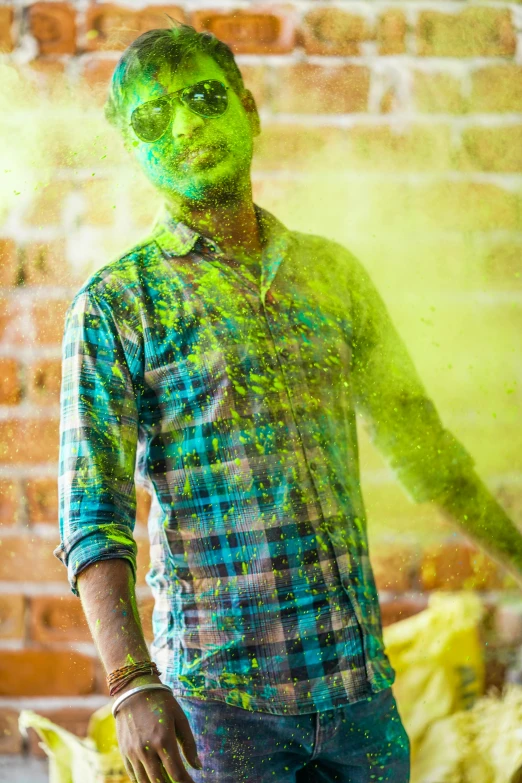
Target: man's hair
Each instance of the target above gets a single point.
(165, 46)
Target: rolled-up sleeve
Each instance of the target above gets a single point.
(98, 440)
(402, 420)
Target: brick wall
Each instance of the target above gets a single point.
(393, 127)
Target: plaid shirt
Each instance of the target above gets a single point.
(234, 400)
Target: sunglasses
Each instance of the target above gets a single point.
(151, 120)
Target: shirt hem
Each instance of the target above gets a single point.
(292, 707)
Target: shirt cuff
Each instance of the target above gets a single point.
(89, 547)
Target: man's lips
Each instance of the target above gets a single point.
(205, 154)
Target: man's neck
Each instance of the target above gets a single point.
(233, 226)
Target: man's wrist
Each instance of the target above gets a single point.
(140, 679)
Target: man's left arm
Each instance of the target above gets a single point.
(404, 425)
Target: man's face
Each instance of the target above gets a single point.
(197, 158)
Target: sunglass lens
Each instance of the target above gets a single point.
(150, 120)
(208, 99)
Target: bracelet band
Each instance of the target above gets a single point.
(147, 687)
(119, 678)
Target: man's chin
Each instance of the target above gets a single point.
(211, 186)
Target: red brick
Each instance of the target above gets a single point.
(497, 88)
(42, 500)
(30, 558)
(100, 201)
(10, 494)
(144, 204)
(44, 263)
(394, 568)
(10, 382)
(48, 77)
(47, 68)
(47, 206)
(366, 148)
(474, 32)
(54, 27)
(114, 27)
(44, 382)
(100, 679)
(5, 316)
(156, 16)
(73, 719)
(143, 563)
(12, 614)
(6, 29)
(401, 608)
(438, 93)
(389, 101)
(29, 441)
(57, 619)
(255, 80)
(10, 737)
(382, 148)
(292, 147)
(333, 31)
(9, 267)
(492, 149)
(95, 77)
(45, 673)
(49, 319)
(306, 88)
(253, 31)
(110, 27)
(458, 565)
(96, 74)
(15, 316)
(18, 551)
(465, 206)
(391, 32)
(143, 502)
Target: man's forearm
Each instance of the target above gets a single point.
(108, 598)
(471, 505)
(149, 724)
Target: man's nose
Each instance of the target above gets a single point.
(185, 122)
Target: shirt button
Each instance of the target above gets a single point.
(269, 298)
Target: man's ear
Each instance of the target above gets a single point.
(249, 105)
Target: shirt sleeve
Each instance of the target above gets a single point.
(98, 441)
(402, 420)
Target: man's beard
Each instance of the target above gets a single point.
(228, 191)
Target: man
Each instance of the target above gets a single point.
(225, 357)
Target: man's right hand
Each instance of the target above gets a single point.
(149, 726)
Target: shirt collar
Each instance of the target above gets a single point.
(177, 239)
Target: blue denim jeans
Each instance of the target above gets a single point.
(363, 742)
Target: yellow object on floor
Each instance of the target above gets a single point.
(438, 658)
(481, 745)
(95, 759)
